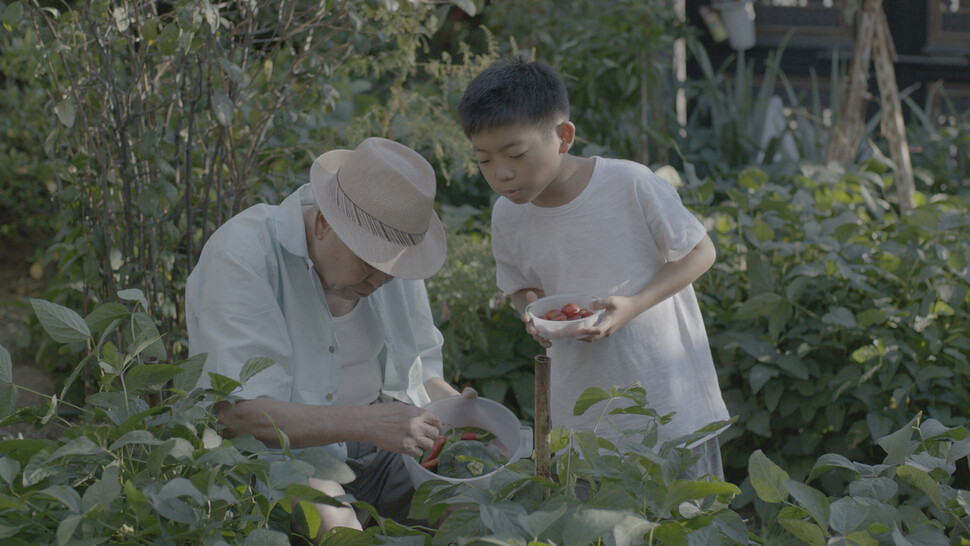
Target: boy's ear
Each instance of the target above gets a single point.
(567, 135)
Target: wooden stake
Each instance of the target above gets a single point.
(542, 449)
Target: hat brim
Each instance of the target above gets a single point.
(419, 261)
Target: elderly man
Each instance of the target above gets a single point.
(328, 284)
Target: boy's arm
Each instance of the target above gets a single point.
(524, 297)
(520, 300)
(672, 278)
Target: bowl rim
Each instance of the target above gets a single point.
(534, 317)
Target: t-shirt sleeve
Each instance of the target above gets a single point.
(238, 318)
(508, 274)
(674, 228)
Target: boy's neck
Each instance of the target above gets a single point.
(574, 176)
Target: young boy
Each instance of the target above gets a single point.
(606, 227)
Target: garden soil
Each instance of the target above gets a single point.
(17, 285)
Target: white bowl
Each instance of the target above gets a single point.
(561, 329)
(512, 439)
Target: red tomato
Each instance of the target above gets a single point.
(570, 309)
(583, 313)
(572, 316)
(555, 314)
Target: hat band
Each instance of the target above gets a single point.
(371, 224)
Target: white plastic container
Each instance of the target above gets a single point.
(565, 329)
(738, 18)
(512, 439)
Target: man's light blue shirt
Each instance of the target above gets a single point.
(255, 293)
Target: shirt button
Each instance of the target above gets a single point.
(329, 397)
(332, 348)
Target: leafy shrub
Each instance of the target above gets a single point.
(832, 318)
(138, 468)
(624, 496)
(485, 341)
(910, 498)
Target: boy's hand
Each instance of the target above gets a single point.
(530, 328)
(619, 311)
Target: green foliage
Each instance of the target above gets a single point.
(485, 340)
(831, 317)
(160, 121)
(910, 498)
(133, 468)
(598, 492)
(617, 61)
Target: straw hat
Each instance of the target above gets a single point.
(379, 199)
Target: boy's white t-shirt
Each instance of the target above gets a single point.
(610, 240)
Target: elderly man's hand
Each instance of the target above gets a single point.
(400, 428)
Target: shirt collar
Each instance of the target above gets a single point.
(290, 229)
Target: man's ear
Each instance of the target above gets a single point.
(567, 135)
(320, 225)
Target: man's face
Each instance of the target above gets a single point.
(341, 272)
(519, 163)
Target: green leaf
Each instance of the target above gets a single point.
(840, 316)
(104, 314)
(812, 500)
(192, 371)
(879, 488)
(139, 437)
(808, 532)
(760, 375)
(104, 491)
(898, 445)
(761, 274)
(62, 324)
(253, 366)
(12, 15)
(685, 490)
(223, 108)
(222, 383)
(77, 446)
(589, 397)
(143, 337)
(829, 461)
(134, 294)
(66, 528)
(758, 306)
(9, 469)
(325, 465)
(266, 537)
(8, 391)
(65, 112)
(767, 478)
(168, 40)
(922, 481)
(66, 495)
(150, 378)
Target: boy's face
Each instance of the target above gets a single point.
(521, 163)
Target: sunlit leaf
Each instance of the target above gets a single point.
(150, 378)
(767, 478)
(253, 366)
(590, 396)
(62, 324)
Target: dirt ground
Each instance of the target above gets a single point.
(16, 287)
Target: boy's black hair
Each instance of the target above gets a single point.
(513, 91)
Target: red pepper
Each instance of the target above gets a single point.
(469, 436)
(433, 454)
(430, 463)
